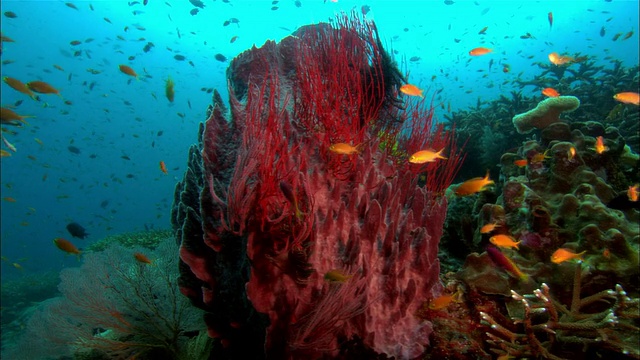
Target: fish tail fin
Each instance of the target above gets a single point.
(440, 156)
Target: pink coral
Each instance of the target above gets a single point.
(303, 210)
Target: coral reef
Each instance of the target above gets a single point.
(546, 113)
(148, 239)
(268, 215)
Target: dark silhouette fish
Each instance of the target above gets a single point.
(76, 230)
(73, 149)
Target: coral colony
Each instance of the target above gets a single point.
(293, 247)
(306, 230)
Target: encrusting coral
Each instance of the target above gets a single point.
(546, 113)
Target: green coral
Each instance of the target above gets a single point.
(148, 239)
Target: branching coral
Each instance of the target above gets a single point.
(548, 329)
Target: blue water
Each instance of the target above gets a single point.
(59, 186)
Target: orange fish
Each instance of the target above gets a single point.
(558, 59)
(506, 263)
(487, 228)
(520, 162)
(168, 90)
(425, 156)
(628, 98)
(561, 255)
(18, 86)
(9, 199)
(66, 246)
(344, 149)
(550, 92)
(412, 90)
(632, 193)
(480, 51)
(571, 153)
(483, 30)
(473, 186)
(539, 157)
(600, 147)
(9, 117)
(142, 258)
(129, 71)
(443, 301)
(550, 16)
(4, 153)
(163, 167)
(43, 88)
(505, 241)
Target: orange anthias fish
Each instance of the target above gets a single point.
(425, 156)
(8, 116)
(632, 193)
(600, 147)
(43, 88)
(163, 167)
(487, 228)
(127, 70)
(539, 157)
(411, 90)
(142, 258)
(520, 162)
(558, 59)
(19, 86)
(628, 98)
(344, 149)
(337, 275)
(505, 241)
(504, 262)
(550, 92)
(473, 186)
(550, 16)
(561, 255)
(66, 246)
(480, 51)
(443, 301)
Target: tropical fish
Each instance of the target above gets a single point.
(142, 258)
(600, 147)
(550, 92)
(473, 186)
(628, 35)
(425, 156)
(76, 230)
(9, 199)
(487, 228)
(412, 90)
(561, 255)
(43, 88)
(344, 149)
(480, 51)
(632, 192)
(571, 153)
(168, 89)
(550, 17)
(628, 98)
(337, 275)
(520, 162)
(483, 30)
(602, 31)
(4, 153)
(506, 68)
(19, 86)
(128, 70)
(8, 116)
(66, 246)
(443, 301)
(233, 39)
(504, 241)
(8, 144)
(505, 263)
(539, 157)
(10, 14)
(616, 36)
(163, 167)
